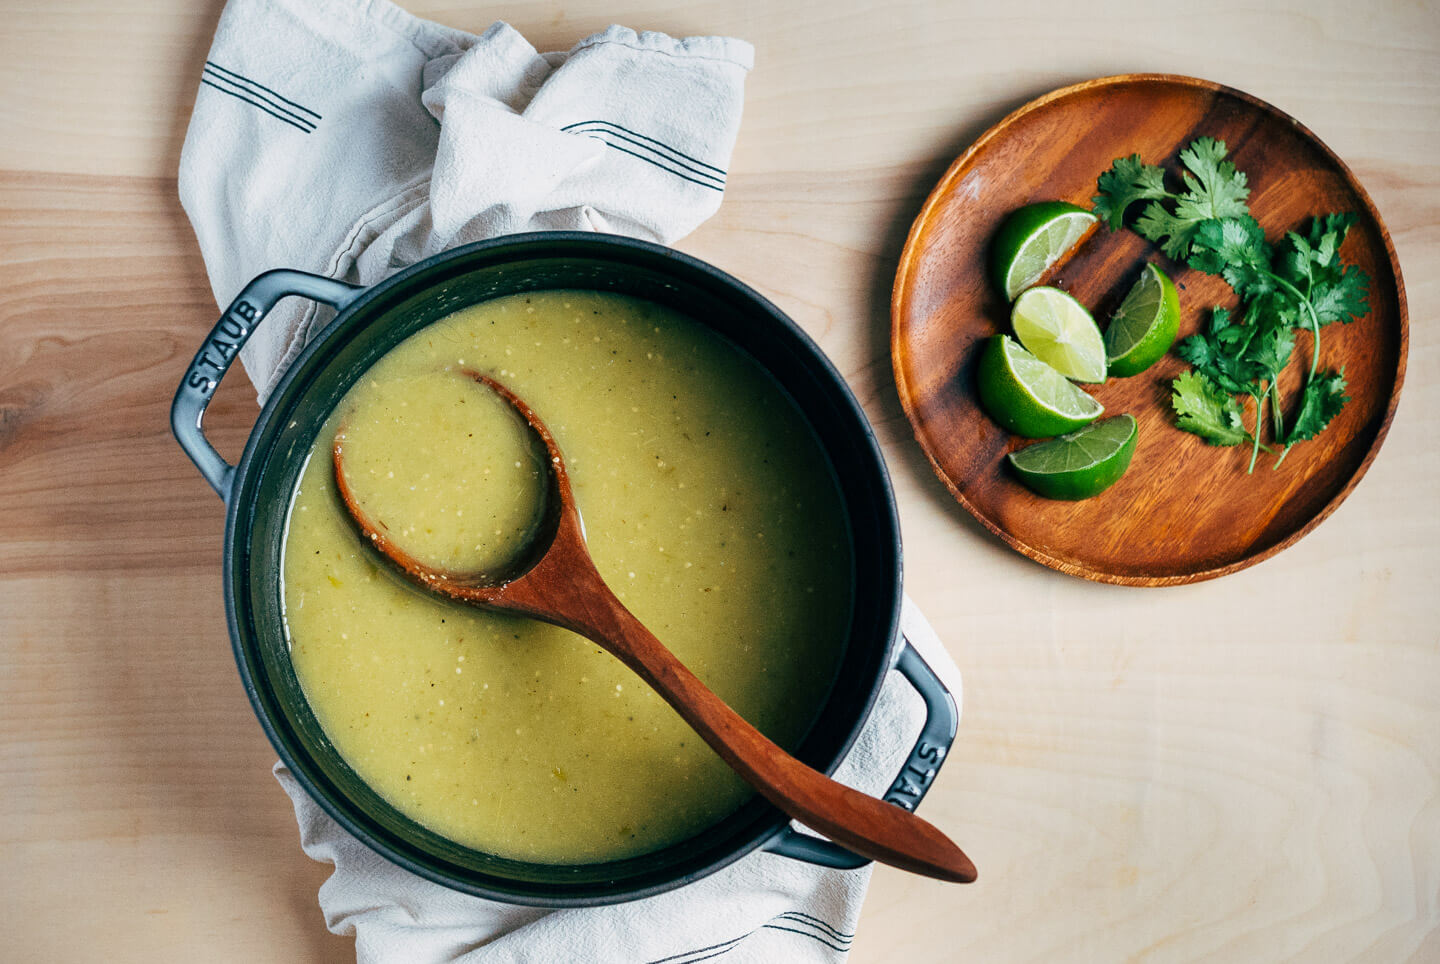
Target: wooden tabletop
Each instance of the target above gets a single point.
(1243, 770)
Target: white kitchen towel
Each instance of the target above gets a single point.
(762, 909)
(348, 138)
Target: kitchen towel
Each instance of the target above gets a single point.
(762, 909)
(349, 138)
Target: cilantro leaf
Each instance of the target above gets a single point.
(1275, 309)
(1218, 353)
(1336, 224)
(1314, 256)
(1323, 397)
(1346, 299)
(1208, 411)
(1128, 180)
(1311, 262)
(1235, 249)
(1270, 350)
(1239, 357)
(1172, 233)
(1296, 258)
(1214, 191)
(1217, 190)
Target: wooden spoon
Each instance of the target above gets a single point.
(558, 583)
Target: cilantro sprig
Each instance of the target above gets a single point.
(1299, 283)
(1235, 359)
(1213, 190)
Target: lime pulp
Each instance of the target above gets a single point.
(1027, 396)
(1057, 329)
(1144, 327)
(1081, 464)
(1032, 239)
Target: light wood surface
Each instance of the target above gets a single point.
(1242, 770)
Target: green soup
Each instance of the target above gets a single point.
(709, 508)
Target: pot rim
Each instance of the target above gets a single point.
(542, 244)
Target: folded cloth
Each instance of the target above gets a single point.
(761, 909)
(349, 138)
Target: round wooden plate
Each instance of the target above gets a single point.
(1185, 511)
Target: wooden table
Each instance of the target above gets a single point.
(1246, 769)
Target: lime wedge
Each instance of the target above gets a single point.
(1057, 329)
(1081, 464)
(1144, 327)
(1032, 239)
(1027, 396)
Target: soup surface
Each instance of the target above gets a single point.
(709, 508)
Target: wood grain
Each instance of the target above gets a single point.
(1246, 769)
(1184, 511)
(131, 767)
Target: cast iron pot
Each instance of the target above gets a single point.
(371, 321)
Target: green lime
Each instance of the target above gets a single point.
(1057, 329)
(1027, 396)
(1032, 239)
(1081, 464)
(1144, 327)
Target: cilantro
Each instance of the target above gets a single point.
(1297, 283)
(1218, 190)
(1214, 190)
(1344, 300)
(1221, 352)
(1128, 180)
(1271, 350)
(1207, 410)
(1239, 359)
(1310, 262)
(1319, 403)
(1235, 249)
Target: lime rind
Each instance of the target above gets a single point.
(1057, 329)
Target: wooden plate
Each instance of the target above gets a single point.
(1185, 511)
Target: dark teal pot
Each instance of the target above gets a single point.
(370, 321)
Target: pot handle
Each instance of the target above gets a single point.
(214, 357)
(909, 788)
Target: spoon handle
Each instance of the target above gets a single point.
(563, 587)
(868, 826)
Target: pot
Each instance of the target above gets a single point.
(370, 321)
